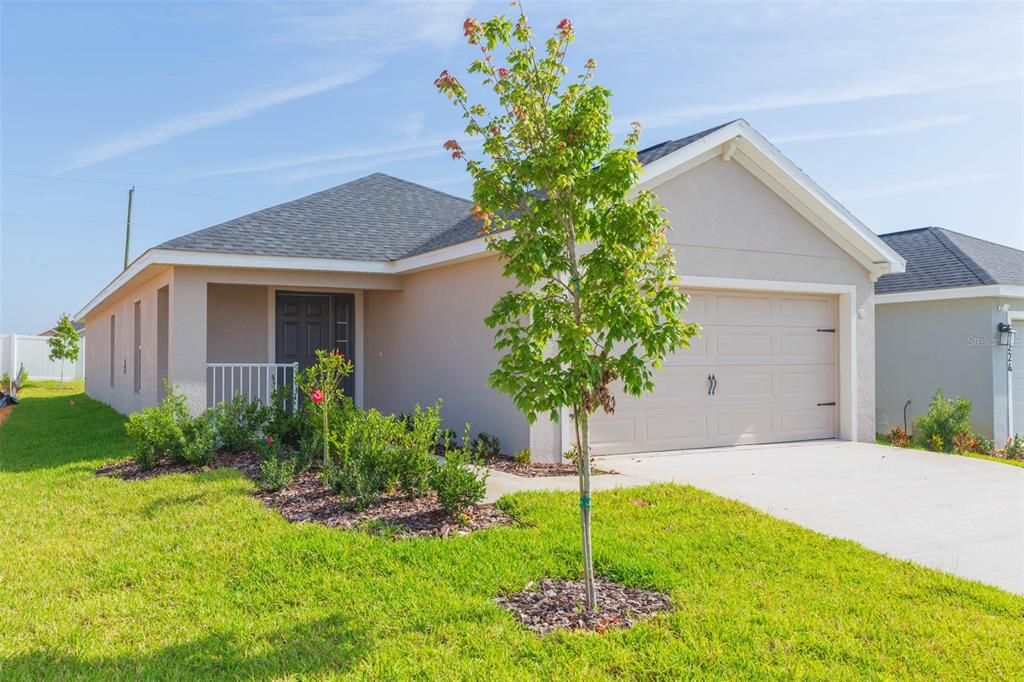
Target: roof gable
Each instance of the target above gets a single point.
(938, 258)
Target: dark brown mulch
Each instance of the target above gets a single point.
(558, 605)
(507, 465)
(246, 462)
(307, 499)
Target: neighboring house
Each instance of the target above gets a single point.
(397, 276)
(79, 327)
(937, 326)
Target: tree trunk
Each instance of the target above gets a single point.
(583, 442)
(325, 435)
(62, 374)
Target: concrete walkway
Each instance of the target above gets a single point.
(957, 514)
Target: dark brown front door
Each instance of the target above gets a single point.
(307, 322)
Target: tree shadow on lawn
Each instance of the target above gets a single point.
(326, 646)
(47, 432)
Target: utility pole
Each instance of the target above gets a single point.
(128, 227)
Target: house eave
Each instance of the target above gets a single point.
(953, 293)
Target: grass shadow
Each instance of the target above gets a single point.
(324, 647)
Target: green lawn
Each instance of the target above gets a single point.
(186, 576)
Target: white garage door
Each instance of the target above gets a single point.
(763, 371)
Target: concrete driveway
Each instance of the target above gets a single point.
(957, 514)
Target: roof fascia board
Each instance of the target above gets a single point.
(984, 291)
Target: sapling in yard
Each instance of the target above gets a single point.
(64, 344)
(593, 306)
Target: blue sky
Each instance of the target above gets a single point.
(910, 114)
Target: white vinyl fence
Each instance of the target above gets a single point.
(34, 353)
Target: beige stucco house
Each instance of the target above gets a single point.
(945, 323)
(396, 275)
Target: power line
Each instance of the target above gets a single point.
(128, 184)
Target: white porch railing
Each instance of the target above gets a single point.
(255, 381)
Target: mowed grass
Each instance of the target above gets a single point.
(186, 577)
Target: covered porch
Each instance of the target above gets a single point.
(246, 332)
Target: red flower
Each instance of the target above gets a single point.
(270, 440)
(316, 395)
(502, 72)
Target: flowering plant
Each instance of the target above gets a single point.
(322, 383)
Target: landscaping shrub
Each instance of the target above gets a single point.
(278, 467)
(365, 466)
(446, 438)
(284, 420)
(522, 456)
(1014, 448)
(413, 458)
(945, 419)
(199, 438)
(487, 445)
(157, 432)
(897, 437)
(240, 423)
(461, 481)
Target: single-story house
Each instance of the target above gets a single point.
(944, 324)
(397, 276)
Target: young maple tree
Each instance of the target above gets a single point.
(64, 344)
(322, 382)
(595, 300)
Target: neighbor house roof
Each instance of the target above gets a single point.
(938, 258)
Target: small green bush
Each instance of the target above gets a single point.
(413, 458)
(461, 481)
(487, 445)
(1014, 448)
(522, 456)
(158, 431)
(366, 458)
(945, 419)
(284, 420)
(200, 439)
(240, 423)
(278, 467)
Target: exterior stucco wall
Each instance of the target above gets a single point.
(429, 341)
(927, 345)
(122, 396)
(237, 323)
(727, 223)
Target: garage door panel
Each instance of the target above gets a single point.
(773, 367)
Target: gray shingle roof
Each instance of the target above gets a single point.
(938, 258)
(378, 217)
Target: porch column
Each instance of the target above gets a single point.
(187, 335)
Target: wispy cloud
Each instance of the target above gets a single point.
(918, 186)
(408, 150)
(375, 162)
(188, 123)
(856, 93)
(877, 131)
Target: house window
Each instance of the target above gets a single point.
(137, 364)
(112, 320)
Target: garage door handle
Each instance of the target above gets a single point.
(824, 404)
(710, 384)
(714, 384)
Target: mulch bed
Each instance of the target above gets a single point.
(507, 465)
(246, 462)
(307, 500)
(5, 412)
(558, 605)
